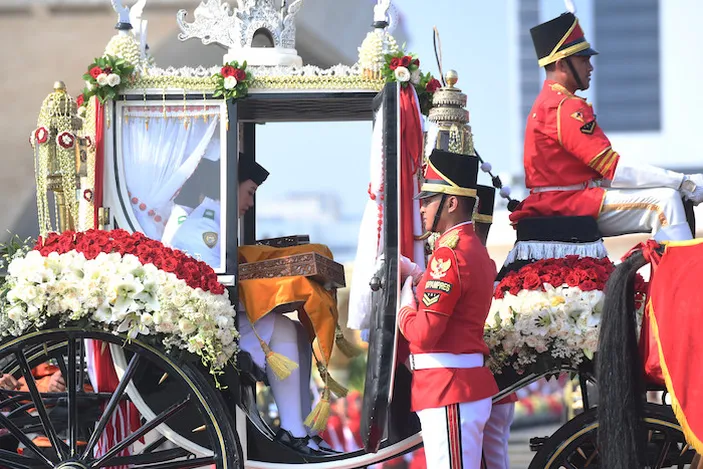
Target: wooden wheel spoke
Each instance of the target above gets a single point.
(111, 405)
(24, 439)
(13, 460)
(141, 431)
(70, 379)
(181, 464)
(148, 458)
(58, 445)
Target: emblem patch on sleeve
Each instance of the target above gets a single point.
(440, 285)
(428, 299)
(589, 127)
(578, 115)
(439, 267)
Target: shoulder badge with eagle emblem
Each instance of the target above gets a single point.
(439, 267)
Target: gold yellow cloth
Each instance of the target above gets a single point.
(260, 296)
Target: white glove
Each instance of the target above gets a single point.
(408, 267)
(407, 295)
(631, 174)
(692, 188)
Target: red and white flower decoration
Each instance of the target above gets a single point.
(66, 140)
(551, 307)
(41, 135)
(121, 282)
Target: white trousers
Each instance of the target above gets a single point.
(453, 435)
(496, 435)
(658, 211)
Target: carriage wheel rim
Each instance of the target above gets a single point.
(65, 451)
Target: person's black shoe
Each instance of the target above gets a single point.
(325, 448)
(297, 443)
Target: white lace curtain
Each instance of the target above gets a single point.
(160, 151)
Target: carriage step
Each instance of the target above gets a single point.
(537, 442)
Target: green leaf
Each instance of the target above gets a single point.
(217, 93)
(244, 65)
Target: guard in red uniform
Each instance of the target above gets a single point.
(570, 165)
(451, 388)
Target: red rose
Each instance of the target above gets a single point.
(514, 290)
(148, 257)
(227, 71)
(546, 278)
(95, 72)
(80, 100)
(107, 70)
(212, 286)
(433, 85)
(588, 285)
(240, 74)
(572, 279)
(531, 281)
(142, 250)
(39, 244)
(416, 62)
(395, 63)
(91, 252)
(405, 61)
(169, 264)
(498, 295)
(583, 275)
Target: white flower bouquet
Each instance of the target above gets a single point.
(121, 283)
(548, 313)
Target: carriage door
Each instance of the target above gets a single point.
(376, 425)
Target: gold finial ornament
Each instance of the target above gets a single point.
(54, 144)
(451, 117)
(452, 78)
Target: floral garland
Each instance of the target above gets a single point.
(232, 81)
(106, 77)
(405, 69)
(548, 313)
(121, 283)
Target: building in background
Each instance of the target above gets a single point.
(48, 40)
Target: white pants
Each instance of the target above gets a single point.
(658, 211)
(292, 395)
(453, 435)
(496, 435)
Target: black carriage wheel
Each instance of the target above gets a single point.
(66, 429)
(573, 446)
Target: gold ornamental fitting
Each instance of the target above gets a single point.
(451, 78)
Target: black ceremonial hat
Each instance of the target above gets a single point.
(449, 173)
(559, 38)
(251, 170)
(486, 199)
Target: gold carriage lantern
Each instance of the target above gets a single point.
(452, 119)
(59, 158)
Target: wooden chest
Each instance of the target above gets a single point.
(320, 268)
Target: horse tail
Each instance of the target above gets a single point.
(619, 372)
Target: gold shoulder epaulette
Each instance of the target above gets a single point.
(450, 240)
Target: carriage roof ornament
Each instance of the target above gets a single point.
(236, 29)
(124, 44)
(379, 42)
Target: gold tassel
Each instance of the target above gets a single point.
(333, 385)
(317, 420)
(281, 365)
(348, 348)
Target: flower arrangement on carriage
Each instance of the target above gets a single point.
(121, 282)
(547, 313)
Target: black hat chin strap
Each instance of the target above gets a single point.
(438, 213)
(573, 72)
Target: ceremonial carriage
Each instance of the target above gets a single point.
(172, 390)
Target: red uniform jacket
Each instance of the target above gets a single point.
(454, 296)
(564, 146)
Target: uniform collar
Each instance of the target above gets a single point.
(559, 88)
(461, 226)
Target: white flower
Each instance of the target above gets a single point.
(230, 83)
(113, 79)
(415, 77)
(90, 85)
(102, 79)
(402, 74)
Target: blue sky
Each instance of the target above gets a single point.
(476, 42)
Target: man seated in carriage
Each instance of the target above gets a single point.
(194, 227)
(571, 168)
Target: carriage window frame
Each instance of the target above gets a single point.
(124, 216)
